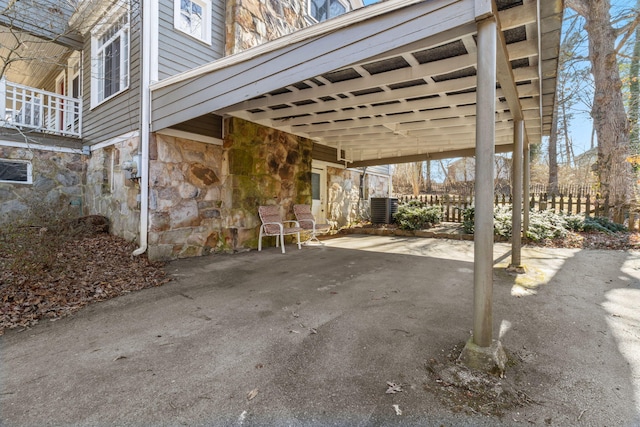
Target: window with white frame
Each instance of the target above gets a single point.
(194, 18)
(15, 171)
(321, 10)
(110, 56)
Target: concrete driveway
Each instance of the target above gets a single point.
(314, 335)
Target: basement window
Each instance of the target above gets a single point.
(15, 171)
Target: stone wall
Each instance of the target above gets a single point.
(346, 205)
(58, 179)
(109, 191)
(204, 198)
(253, 22)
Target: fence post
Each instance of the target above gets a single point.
(587, 207)
(570, 205)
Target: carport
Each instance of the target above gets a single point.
(400, 81)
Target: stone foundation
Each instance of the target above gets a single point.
(58, 180)
(109, 191)
(347, 204)
(204, 198)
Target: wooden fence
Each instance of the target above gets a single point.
(453, 205)
(467, 189)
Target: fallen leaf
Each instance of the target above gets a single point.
(253, 393)
(393, 388)
(397, 409)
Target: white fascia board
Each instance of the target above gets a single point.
(190, 135)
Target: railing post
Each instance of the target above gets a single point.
(3, 99)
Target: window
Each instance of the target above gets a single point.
(321, 10)
(16, 171)
(110, 57)
(194, 18)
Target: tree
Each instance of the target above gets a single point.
(608, 113)
(634, 91)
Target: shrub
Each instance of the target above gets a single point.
(602, 224)
(502, 221)
(468, 218)
(545, 225)
(414, 215)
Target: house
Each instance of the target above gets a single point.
(177, 118)
(73, 121)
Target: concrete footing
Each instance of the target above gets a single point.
(518, 269)
(488, 359)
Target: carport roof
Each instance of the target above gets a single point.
(392, 82)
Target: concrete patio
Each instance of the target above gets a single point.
(314, 335)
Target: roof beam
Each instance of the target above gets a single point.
(470, 152)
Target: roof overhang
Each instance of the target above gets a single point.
(392, 82)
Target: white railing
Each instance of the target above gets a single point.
(27, 107)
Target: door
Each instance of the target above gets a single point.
(319, 193)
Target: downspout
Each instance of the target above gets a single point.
(145, 123)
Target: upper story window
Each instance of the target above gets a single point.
(194, 18)
(110, 56)
(15, 171)
(321, 10)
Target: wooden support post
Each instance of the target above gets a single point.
(485, 158)
(516, 211)
(525, 187)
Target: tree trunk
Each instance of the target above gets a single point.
(610, 119)
(634, 92)
(609, 116)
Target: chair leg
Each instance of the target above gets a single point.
(282, 241)
(260, 240)
(298, 234)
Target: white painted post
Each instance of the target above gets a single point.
(516, 218)
(526, 192)
(3, 99)
(485, 154)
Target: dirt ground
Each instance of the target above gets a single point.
(363, 330)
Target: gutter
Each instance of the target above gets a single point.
(145, 123)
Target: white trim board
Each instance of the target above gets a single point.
(14, 144)
(190, 135)
(115, 140)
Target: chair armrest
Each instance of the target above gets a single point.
(295, 222)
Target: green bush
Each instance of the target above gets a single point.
(542, 224)
(414, 215)
(545, 225)
(502, 221)
(468, 220)
(602, 224)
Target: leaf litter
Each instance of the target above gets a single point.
(85, 270)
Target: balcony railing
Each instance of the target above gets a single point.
(25, 107)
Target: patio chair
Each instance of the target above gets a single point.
(308, 222)
(273, 225)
